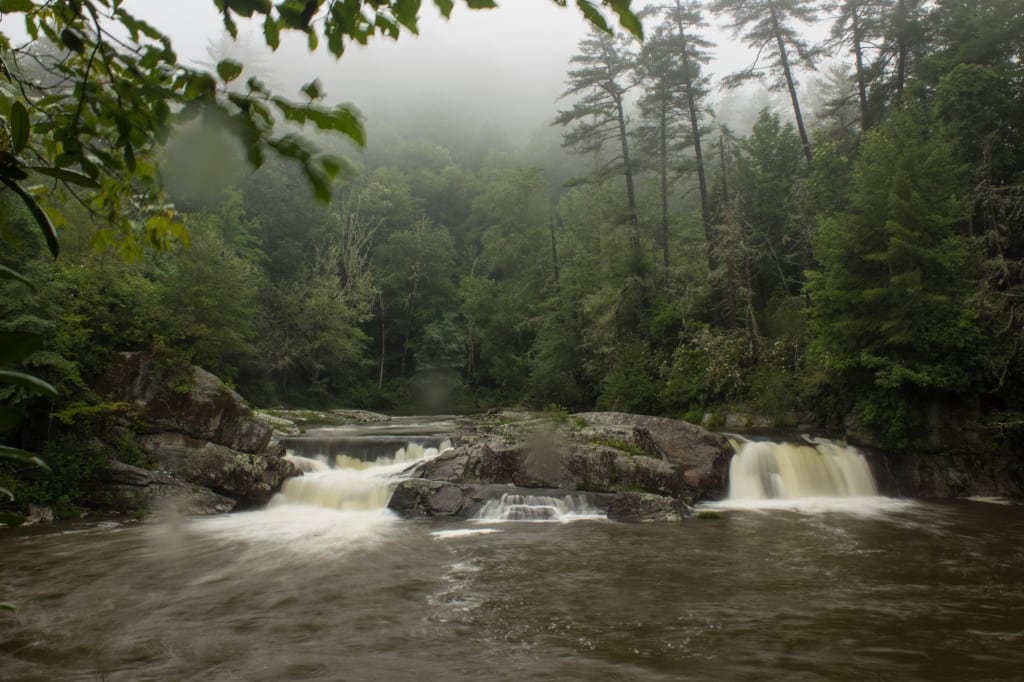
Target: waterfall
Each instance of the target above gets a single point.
(350, 483)
(767, 471)
(516, 507)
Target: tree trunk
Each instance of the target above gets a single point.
(634, 218)
(383, 336)
(858, 55)
(554, 251)
(791, 85)
(663, 154)
(731, 273)
(702, 181)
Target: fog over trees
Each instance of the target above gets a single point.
(825, 223)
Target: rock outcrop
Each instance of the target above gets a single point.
(644, 469)
(197, 433)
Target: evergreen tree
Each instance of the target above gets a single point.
(768, 25)
(891, 313)
(598, 118)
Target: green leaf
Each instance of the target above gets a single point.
(313, 90)
(407, 13)
(627, 18)
(7, 273)
(7, 493)
(72, 40)
(229, 70)
(34, 384)
(272, 32)
(16, 346)
(66, 175)
(20, 126)
(445, 6)
(246, 8)
(593, 16)
(23, 456)
(47, 228)
(481, 4)
(16, 6)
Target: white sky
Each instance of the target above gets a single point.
(504, 66)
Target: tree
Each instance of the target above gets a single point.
(670, 64)
(598, 119)
(85, 103)
(891, 314)
(768, 25)
(858, 24)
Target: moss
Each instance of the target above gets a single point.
(708, 515)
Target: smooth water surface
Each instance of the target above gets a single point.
(894, 591)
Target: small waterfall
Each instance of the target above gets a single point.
(517, 507)
(351, 483)
(773, 471)
(307, 465)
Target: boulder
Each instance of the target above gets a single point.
(702, 456)
(249, 479)
(188, 400)
(633, 507)
(125, 488)
(197, 432)
(416, 498)
(605, 452)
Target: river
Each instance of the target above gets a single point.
(863, 589)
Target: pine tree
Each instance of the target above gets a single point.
(767, 25)
(598, 118)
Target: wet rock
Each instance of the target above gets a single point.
(187, 400)
(634, 507)
(702, 456)
(417, 498)
(249, 479)
(422, 498)
(361, 416)
(125, 488)
(197, 432)
(39, 514)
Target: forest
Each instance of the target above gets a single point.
(858, 259)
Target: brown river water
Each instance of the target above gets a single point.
(862, 588)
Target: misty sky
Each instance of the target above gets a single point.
(502, 68)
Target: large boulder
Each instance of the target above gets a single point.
(195, 431)
(605, 452)
(165, 396)
(125, 488)
(248, 478)
(701, 455)
(414, 498)
(654, 466)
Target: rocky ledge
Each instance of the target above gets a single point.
(635, 468)
(205, 451)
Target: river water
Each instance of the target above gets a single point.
(820, 589)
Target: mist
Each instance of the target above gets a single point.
(480, 79)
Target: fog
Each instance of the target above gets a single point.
(494, 74)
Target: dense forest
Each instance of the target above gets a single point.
(859, 258)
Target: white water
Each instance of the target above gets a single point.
(818, 477)
(514, 507)
(351, 484)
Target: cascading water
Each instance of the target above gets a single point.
(350, 484)
(767, 471)
(517, 507)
